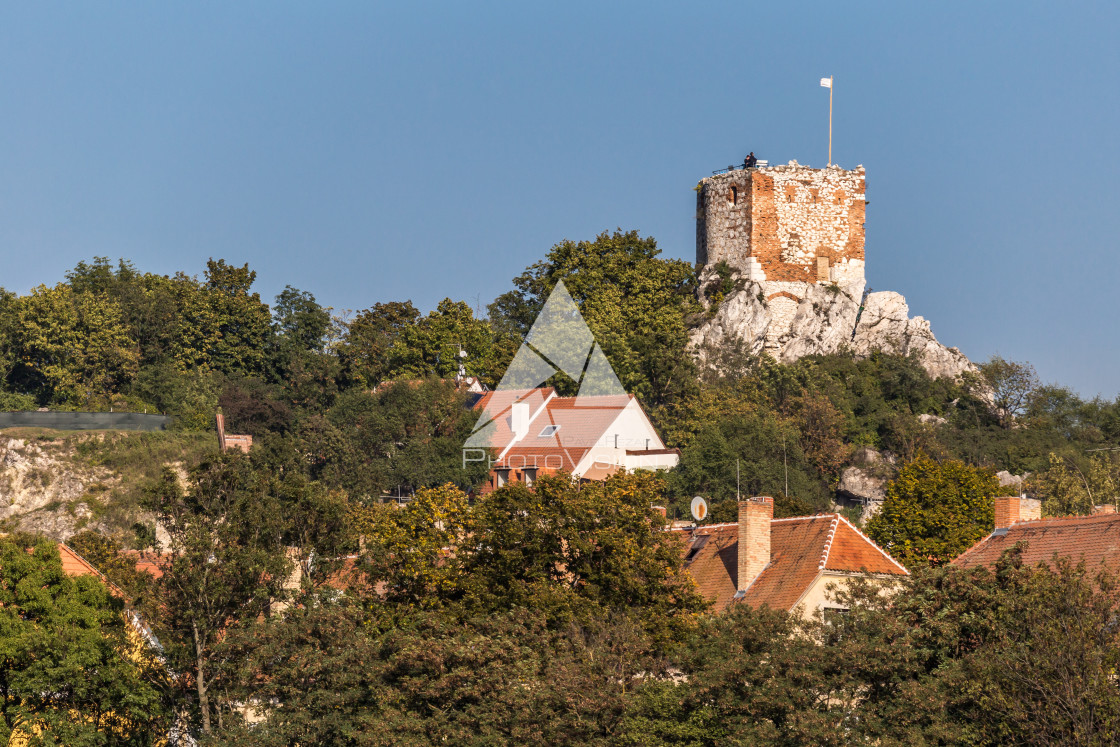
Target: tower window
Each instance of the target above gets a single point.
(733, 196)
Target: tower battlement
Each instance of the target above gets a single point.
(785, 227)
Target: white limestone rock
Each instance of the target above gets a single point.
(822, 324)
(862, 485)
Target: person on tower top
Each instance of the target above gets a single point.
(750, 161)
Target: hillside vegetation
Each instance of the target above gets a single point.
(303, 380)
(285, 582)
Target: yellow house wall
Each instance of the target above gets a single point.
(818, 596)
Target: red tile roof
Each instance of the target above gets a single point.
(148, 562)
(74, 564)
(800, 549)
(582, 422)
(1093, 539)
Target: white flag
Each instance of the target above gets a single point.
(826, 82)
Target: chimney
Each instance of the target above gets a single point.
(519, 420)
(755, 515)
(1104, 508)
(221, 420)
(1012, 508)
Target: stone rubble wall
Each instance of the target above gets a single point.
(774, 223)
(794, 239)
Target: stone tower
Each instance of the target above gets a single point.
(792, 237)
(785, 228)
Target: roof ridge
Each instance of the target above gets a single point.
(828, 542)
(94, 569)
(975, 546)
(806, 518)
(1044, 519)
(874, 544)
(704, 526)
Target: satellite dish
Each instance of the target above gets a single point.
(699, 508)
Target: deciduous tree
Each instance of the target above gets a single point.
(934, 511)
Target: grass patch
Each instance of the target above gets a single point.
(138, 459)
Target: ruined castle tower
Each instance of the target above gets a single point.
(785, 228)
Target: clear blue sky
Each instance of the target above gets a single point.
(421, 150)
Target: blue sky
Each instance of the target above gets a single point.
(373, 153)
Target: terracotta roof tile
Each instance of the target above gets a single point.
(581, 423)
(1093, 539)
(74, 564)
(852, 550)
(800, 549)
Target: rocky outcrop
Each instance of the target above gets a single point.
(1006, 479)
(862, 486)
(859, 486)
(820, 323)
(43, 490)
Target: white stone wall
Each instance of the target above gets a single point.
(813, 209)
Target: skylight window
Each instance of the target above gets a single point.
(549, 430)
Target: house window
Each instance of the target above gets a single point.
(501, 477)
(837, 621)
(549, 430)
(529, 476)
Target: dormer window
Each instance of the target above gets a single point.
(549, 431)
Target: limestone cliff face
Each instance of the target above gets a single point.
(43, 490)
(821, 323)
(50, 487)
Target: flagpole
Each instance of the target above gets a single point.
(830, 120)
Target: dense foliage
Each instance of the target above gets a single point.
(934, 511)
(71, 670)
(290, 590)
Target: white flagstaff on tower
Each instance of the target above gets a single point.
(827, 83)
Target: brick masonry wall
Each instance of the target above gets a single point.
(755, 515)
(774, 223)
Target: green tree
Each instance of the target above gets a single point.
(755, 453)
(74, 348)
(576, 551)
(1012, 385)
(635, 304)
(335, 673)
(300, 362)
(369, 336)
(432, 345)
(573, 552)
(190, 396)
(934, 511)
(69, 672)
(407, 550)
(227, 565)
(403, 437)
(242, 320)
(301, 323)
(1067, 489)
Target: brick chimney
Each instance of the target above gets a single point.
(1012, 508)
(755, 515)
